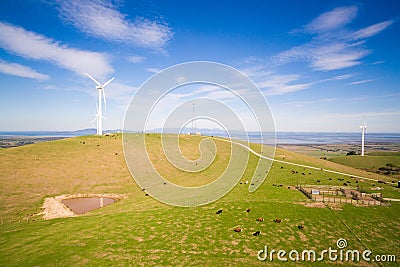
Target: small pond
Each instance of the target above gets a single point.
(86, 204)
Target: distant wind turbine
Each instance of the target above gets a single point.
(99, 115)
(363, 132)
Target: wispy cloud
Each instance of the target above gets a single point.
(136, 59)
(21, 71)
(101, 19)
(360, 82)
(333, 46)
(31, 45)
(277, 84)
(336, 56)
(116, 90)
(152, 70)
(371, 30)
(332, 20)
(120, 91)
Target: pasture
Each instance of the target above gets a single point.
(140, 231)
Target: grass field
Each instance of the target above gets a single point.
(140, 231)
(372, 162)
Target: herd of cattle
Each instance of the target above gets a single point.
(257, 233)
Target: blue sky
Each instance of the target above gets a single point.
(323, 66)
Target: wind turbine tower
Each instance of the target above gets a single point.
(102, 95)
(363, 132)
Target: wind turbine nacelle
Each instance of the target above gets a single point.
(99, 87)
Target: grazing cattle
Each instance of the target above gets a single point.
(277, 220)
(318, 181)
(309, 173)
(330, 179)
(143, 189)
(257, 233)
(246, 182)
(303, 173)
(248, 210)
(237, 230)
(116, 154)
(297, 172)
(219, 212)
(281, 167)
(348, 182)
(344, 184)
(165, 183)
(146, 195)
(292, 171)
(280, 185)
(260, 219)
(273, 184)
(301, 227)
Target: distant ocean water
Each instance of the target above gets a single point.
(281, 137)
(40, 134)
(307, 138)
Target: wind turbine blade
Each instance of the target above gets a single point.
(95, 118)
(104, 118)
(106, 83)
(93, 79)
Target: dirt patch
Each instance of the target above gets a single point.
(312, 204)
(335, 206)
(303, 237)
(54, 208)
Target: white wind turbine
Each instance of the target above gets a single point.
(99, 115)
(363, 132)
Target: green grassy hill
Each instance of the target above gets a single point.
(378, 162)
(141, 231)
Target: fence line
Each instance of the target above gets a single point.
(378, 201)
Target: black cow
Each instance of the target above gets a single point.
(257, 233)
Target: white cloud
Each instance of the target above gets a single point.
(120, 91)
(360, 82)
(136, 59)
(332, 20)
(333, 47)
(101, 19)
(275, 84)
(281, 84)
(324, 55)
(334, 57)
(278, 80)
(372, 30)
(116, 91)
(31, 45)
(21, 71)
(152, 70)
